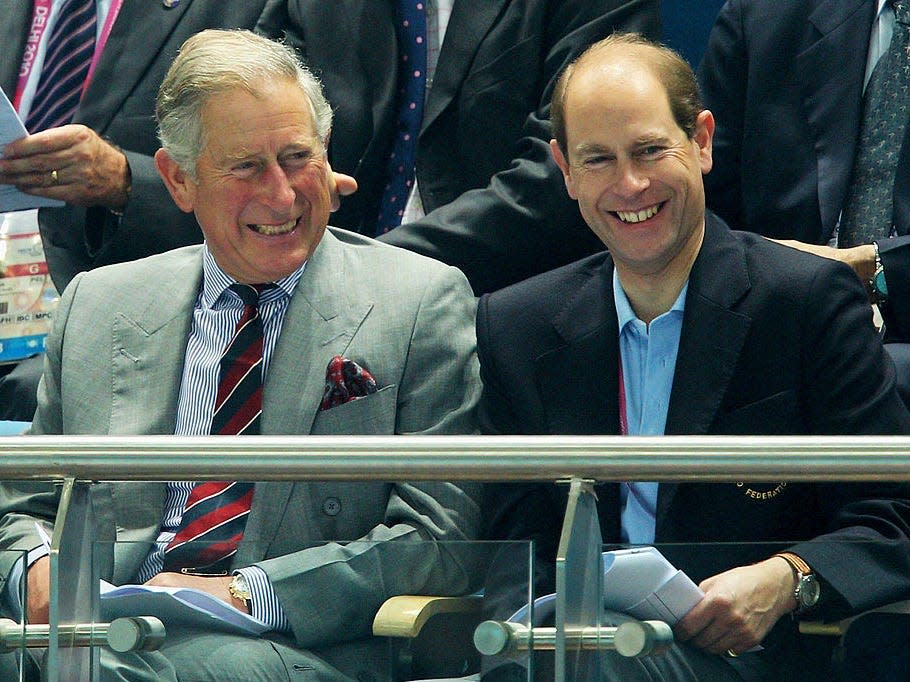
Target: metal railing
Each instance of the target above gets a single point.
(481, 458)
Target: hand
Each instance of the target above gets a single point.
(340, 185)
(39, 590)
(217, 586)
(89, 170)
(740, 607)
(861, 258)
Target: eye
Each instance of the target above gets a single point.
(244, 169)
(596, 161)
(651, 151)
(296, 159)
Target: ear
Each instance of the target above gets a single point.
(178, 183)
(704, 137)
(563, 164)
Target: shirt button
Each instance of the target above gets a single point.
(331, 506)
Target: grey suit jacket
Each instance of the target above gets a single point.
(114, 365)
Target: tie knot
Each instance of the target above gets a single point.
(248, 293)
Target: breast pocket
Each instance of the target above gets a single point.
(776, 415)
(373, 414)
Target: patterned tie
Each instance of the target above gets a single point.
(868, 212)
(412, 83)
(66, 63)
(216, 511)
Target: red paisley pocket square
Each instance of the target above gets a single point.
(345, 381)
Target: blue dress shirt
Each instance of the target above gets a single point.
(648, 355)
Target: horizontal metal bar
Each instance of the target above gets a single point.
(481, 458)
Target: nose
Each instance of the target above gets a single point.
(631, 179)
(276, 190)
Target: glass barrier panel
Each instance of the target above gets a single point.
(13, 652)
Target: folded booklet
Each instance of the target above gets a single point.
(176, 607)
(639, 582)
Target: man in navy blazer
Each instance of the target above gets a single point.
(686, 327)
(785, 81)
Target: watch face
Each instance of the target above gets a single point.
(809, 592)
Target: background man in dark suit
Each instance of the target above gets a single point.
(117, 207)
(786, 82)
(688, 328)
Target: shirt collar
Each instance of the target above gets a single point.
(624, 312)
(215, 281)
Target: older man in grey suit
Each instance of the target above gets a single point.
(136, 349)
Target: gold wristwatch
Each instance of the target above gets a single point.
(239, 589)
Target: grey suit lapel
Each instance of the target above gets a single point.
(149, 341)
(321, 320)
(13, 31)
(831, 69)
(712, 338)
(468, 24)
(127, 54)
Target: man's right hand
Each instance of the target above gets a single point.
(39, 590)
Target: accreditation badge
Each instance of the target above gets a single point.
(27, 294)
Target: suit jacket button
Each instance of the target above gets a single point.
(331, 506)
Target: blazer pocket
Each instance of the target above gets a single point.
(776, 415)
(373, 414)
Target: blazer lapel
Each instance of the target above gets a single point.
(321, 320)
(147, 344)
(17, 17)
(712, 338)
(127, 55)
(468, 24)
(832, 94)
(377, 49)
(578, 381)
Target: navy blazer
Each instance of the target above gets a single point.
(774, 341)
(784, 80)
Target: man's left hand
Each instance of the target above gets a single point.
(740, 607)
(217, 586)
(71, 163)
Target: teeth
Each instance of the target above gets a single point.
(270, 230)
(638, 216)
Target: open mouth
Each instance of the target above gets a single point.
(273, 230)
(640, 215)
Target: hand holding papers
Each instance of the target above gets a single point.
(11, 129)
(639, 582)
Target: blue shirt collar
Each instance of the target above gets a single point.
(624, 312)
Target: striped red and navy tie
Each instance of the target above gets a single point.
(216, 511)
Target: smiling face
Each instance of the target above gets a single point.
(635, 173)
(261, 192)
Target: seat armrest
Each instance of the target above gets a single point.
(405, 615)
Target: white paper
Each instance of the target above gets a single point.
(176, 606)
(639, 582)
(11, 129)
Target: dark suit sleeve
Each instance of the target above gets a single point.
(864, 555)
(523, 222)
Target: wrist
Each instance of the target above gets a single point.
(806, 590)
